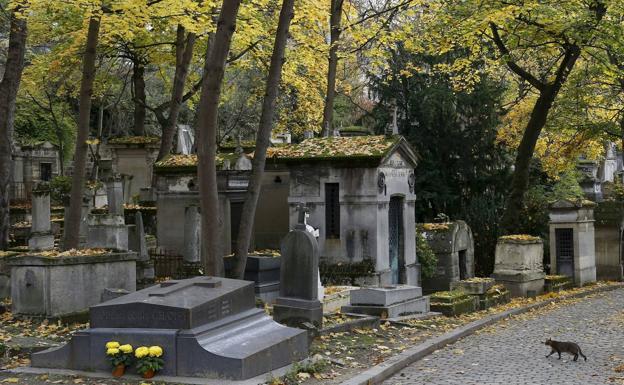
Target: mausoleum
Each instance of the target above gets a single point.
(360, 194)
(453, 246)
(177, 189)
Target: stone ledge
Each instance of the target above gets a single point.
(36, 260)
(385, 370)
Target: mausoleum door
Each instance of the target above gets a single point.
(395, 241)
(564, 241)
(463, 265)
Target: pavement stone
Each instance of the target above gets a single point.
(512, 352)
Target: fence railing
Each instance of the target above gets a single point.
(166, 263)
(20, 191)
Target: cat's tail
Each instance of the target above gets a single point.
(582, 355)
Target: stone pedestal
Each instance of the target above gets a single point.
(114, 193)
(41, 237)
(108, 232)
(387, 302)
(298, 303)
(518, 265)
(207, 327)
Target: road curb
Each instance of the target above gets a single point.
(393, 365)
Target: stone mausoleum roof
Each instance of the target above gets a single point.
(336, 148)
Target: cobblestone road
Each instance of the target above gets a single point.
(512, 352)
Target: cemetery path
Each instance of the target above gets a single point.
(512, 352)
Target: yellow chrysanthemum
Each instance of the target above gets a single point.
(127, 348)
(112, 345)
(112, 351)
(155, 351)
(141, 352)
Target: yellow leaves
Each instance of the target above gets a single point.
(71, 253)
(11, 380)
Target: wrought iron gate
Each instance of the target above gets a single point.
(564, 242)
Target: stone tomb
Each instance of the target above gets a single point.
(518, 265)
(60, 286)
(208, 327)
(388, 302)
(453, 245)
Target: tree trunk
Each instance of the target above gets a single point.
(8, 92)
(263, 138)
(512, 219)
(184, 55)
(334, 25)
(72, 222)
(212, 258)
(138, 86)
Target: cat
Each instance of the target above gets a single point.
(564, 347)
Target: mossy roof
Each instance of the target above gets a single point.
(134, 140)
(189, 162)
(336, 148)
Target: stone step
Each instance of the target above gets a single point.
(384, 296)
(412, 306)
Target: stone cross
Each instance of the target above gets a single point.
(41, 237)
(301, 219)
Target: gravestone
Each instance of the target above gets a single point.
(192, 242)
(137, 243)
(298, 302)
(109, 231)
(207, 327)
(41, 237)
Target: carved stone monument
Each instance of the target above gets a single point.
(207, 327)
(518, 265)
(137, 243)
(192, 242)
(109, 231)
(298, 302)
(41, 237)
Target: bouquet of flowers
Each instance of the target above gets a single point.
(149, 360)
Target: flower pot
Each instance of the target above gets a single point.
(119, 370)
(149, 373)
